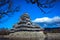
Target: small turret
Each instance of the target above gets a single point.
(24, 19)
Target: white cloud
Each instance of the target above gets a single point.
(56, 19)
(48, 22)
(47, 19)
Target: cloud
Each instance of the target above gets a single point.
(47, 19)
(48, 22)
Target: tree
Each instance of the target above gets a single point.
(42, 5)
(9, 11)
(4, 31)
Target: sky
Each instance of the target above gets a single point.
(49, 19)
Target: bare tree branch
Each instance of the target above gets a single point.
(47, 4)
(9, 10)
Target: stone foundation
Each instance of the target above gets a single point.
(27, 36)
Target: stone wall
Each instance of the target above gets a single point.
(53, 36)
(27, 36)
(31, 36)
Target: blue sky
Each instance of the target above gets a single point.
(35, 14)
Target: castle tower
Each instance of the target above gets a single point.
(25, 24)
(26, 30)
